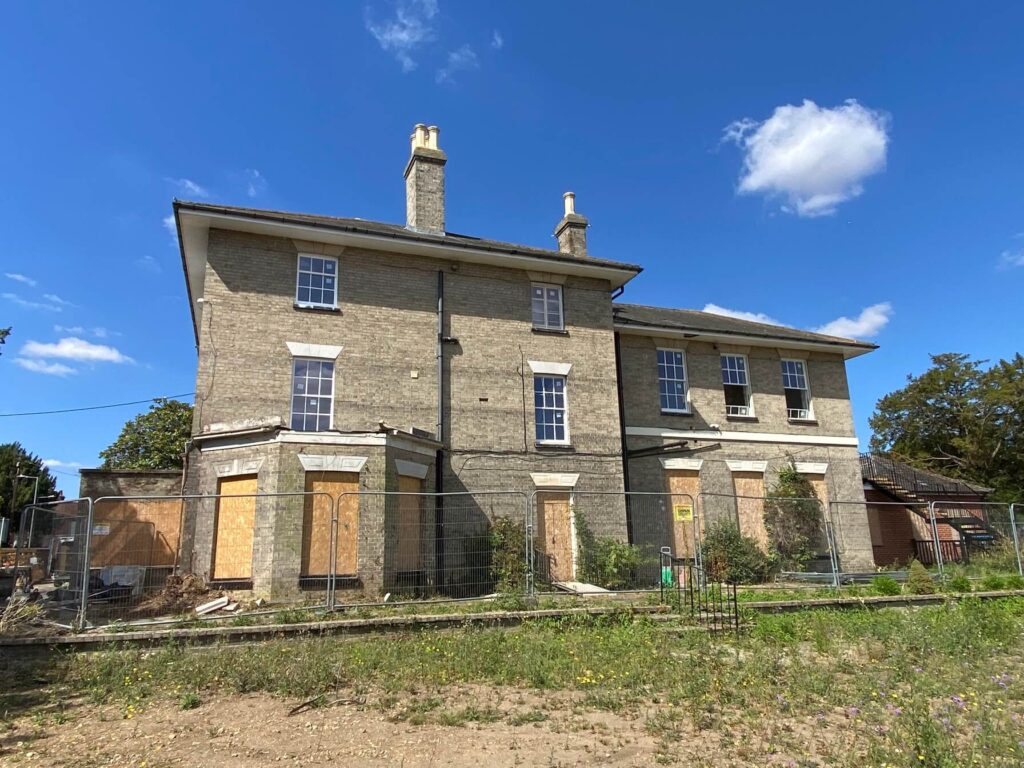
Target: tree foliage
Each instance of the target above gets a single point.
(4, 333)
(959, 419)
(30, 465)
(793, 518)
(152, 440)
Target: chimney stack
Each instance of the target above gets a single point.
(572, 229)
(424, 182)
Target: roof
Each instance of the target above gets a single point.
(904, 480)
(694, 323)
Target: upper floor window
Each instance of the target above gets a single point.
(317, 282)
(547, 307)
(550, 410)
(312, 394)
(798, 394)
(736, 384)
(672, 381)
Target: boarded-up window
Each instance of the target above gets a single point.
(749, 487)
(316, 523)
(135, 532)
(233, 528)
(409, 554)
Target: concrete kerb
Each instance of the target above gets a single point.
(392, 624)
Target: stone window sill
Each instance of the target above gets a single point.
(551, 331)
(751, 419)
(804, 422)
(307, 308)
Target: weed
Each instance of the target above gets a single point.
(529, 716)
(188, 700)
(885, 585)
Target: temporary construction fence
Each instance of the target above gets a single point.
(977, 527)
(139, 558)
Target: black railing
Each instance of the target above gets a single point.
(899, 476)
(713, 604)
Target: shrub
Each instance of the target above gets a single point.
(793, 517)
(731, 556)
(919, 581)
(959, 583)
(605, 561)
(508, 559)
(885, 585)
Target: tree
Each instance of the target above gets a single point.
(793, 518)
(152, 440)
(11, 455)
(4, 333)
(960, 420)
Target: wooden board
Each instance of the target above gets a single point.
(136, 532)
(409, 547)
(750, 511)
(554, 534)
(233, 528)
(681, 510)
(316, 524)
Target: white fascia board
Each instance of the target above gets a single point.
(743, 437)
(847, 351)
(321, 351)
(229, 442)
(549, 369)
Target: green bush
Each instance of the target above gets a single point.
(959, 583)
(793, 518)
(919, 581)
(731, 556)
(885, 585)
(608, 562)
(993, 582)
(507, 542)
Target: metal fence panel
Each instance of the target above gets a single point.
(980, 528)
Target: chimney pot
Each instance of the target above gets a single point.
(432, 133)
(570, 202)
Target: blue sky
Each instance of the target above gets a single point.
(717, 146)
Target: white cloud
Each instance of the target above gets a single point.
(189, 187)
(1009, 259)
(256, 184)
(55, 299)
(40, 366)
(74, 348)
(16, 299)
(868, 323)
(497, 41)
(57, 463)
(149, 264)
(103, 333)
(814, 157)
(20, 278)
(739, 314)
(411, 27)
(458, 60)
(170, 225)
(74, 329)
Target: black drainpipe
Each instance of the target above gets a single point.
(622, 435)
(439, 458)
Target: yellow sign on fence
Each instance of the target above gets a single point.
(683, 513)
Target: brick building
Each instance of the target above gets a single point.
(341, 356)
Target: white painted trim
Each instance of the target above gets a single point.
(411, 469)
(320, 351)
(746, 437)
(312, 462)
(694, 464)
(811, 467)
(736, 465)
(555, 479)
(238, 467)
(319, 438)
(549, 369)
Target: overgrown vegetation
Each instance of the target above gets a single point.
(809, 689)
(731, 556)
(608, 562)
(793, 518)
(919, 581)
(508, 563)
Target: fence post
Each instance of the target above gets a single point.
(83, 618)
(1016, 538)
(528, 534)
(830, 542)
(935, 536)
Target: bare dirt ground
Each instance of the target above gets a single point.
(469, 726)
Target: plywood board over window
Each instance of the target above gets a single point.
(233, 528)
(684, 486)
(555, 535)
(409, 549)
(749, 487)
(316, 523)
(136, 532)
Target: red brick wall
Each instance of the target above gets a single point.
(892, 529)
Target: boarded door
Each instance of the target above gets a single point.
(409, 550)
(316, 523)
(554, 534)
(681, 512)
(750, 511)
(233, 528)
